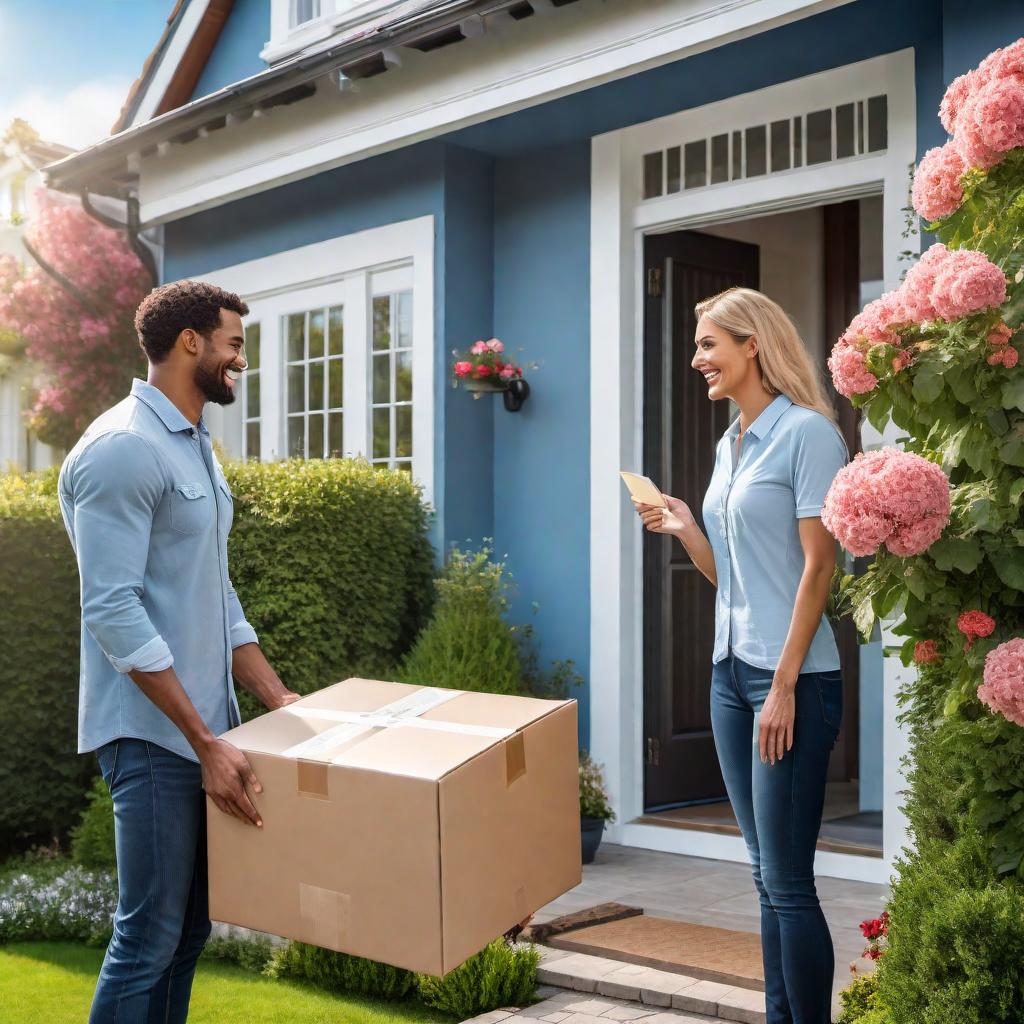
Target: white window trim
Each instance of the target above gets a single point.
(620, 219)
(287, 40)
(350, 268)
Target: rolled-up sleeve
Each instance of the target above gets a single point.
(817, 454)
(240, 630)
(116, 486)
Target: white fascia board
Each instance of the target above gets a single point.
(482, 78)
(172, 57)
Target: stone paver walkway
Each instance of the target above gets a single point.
(715, 893)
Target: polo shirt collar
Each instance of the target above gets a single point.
(762, 426)
(171, 416)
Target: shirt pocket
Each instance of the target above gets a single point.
(190, 508)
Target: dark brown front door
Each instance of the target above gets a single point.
(681, 429)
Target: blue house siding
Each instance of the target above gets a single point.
(972, 29)
(542, 452)
(237, 52)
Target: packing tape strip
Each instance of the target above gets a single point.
(403, 712)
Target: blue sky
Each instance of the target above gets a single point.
(66, 65)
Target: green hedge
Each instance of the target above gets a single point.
(330, 559)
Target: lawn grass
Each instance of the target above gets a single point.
(54, 981)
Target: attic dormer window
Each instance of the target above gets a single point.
(308, 10)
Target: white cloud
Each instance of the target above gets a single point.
(78, 117)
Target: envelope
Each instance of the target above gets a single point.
(643, 489)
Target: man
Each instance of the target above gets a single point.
(148, 511)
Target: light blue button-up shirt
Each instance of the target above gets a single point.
(788, 459)
(148, 511)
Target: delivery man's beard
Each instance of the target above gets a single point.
(209, 378)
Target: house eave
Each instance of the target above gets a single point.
(111, 167)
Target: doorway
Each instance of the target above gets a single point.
(821, 264)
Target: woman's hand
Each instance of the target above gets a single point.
(777, 716)
(674, 519)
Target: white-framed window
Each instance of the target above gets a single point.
(340, 365)
(251, 392)
(303, 11)
(295, 24)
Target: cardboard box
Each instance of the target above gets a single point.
(407, 824)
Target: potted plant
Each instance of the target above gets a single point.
(484, 369)
(594, 807)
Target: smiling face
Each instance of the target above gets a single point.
(221, 361)
(723, 362)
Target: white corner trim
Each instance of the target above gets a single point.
(354, 261)
(485, 77)
(170, 60)
(620, 219)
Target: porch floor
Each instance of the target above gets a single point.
(717, 893)
(844, 828)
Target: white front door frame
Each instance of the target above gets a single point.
(620, 219)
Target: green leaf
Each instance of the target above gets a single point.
(1012, 393)
(961, 383)
(915, 582)
(953, 702)
(928, 383)
(963, 554)
(1009, 566)
(864, 616)
(997, 421)
(1011, 451)
(878, 411)
(1016, 490)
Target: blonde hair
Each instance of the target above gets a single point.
(786, 365)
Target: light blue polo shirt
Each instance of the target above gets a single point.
(788, 460)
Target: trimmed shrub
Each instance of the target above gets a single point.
(499, 975)
(43, 781)
(92, 842)
(330, 559)
(340, 972)
(859, 999)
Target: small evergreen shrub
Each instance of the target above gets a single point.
(499, 975)
(92, 842)
(340, 972)
(593, 796)
(468, 644)
(859, 999)
(252, 954)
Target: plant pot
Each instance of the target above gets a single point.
(483, 386)
(516, 393)
(591, 830)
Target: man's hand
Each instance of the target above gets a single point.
(225, 775)
(282, 699)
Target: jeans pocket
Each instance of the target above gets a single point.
(830, 696)
(107, 758)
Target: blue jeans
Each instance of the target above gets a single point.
(779, 808)
(161, 922)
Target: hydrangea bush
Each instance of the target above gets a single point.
(939, 356)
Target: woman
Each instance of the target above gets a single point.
(776, 690)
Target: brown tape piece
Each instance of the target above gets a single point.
(515, 758)
(326, 916)
(312, 779)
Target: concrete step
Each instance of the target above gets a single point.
(652, 989)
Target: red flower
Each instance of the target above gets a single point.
(483, 370)
(926, 652)
(974, 624)
(463, 369)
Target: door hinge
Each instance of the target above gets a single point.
(654, 282)
(653, 751)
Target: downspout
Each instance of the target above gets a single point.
(131, 229)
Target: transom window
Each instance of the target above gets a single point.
(819, 136)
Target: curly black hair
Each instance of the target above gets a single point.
(166, 311)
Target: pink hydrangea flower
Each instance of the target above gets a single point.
(1003, 686)
(974, 624)
(997, 113)
(495, 346)
(926, 652)
(1004, 63)
(970, 141)
(507, 372)
(887, 496)
(937, 191)
(902, 361)
(1010, 357)
(967, 281)
(920, 280)
(956, 96)
(850, 375)
(478, 347)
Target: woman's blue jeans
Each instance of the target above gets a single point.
(162, 920)
(779, 809)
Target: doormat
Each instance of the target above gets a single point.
(710, 954)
